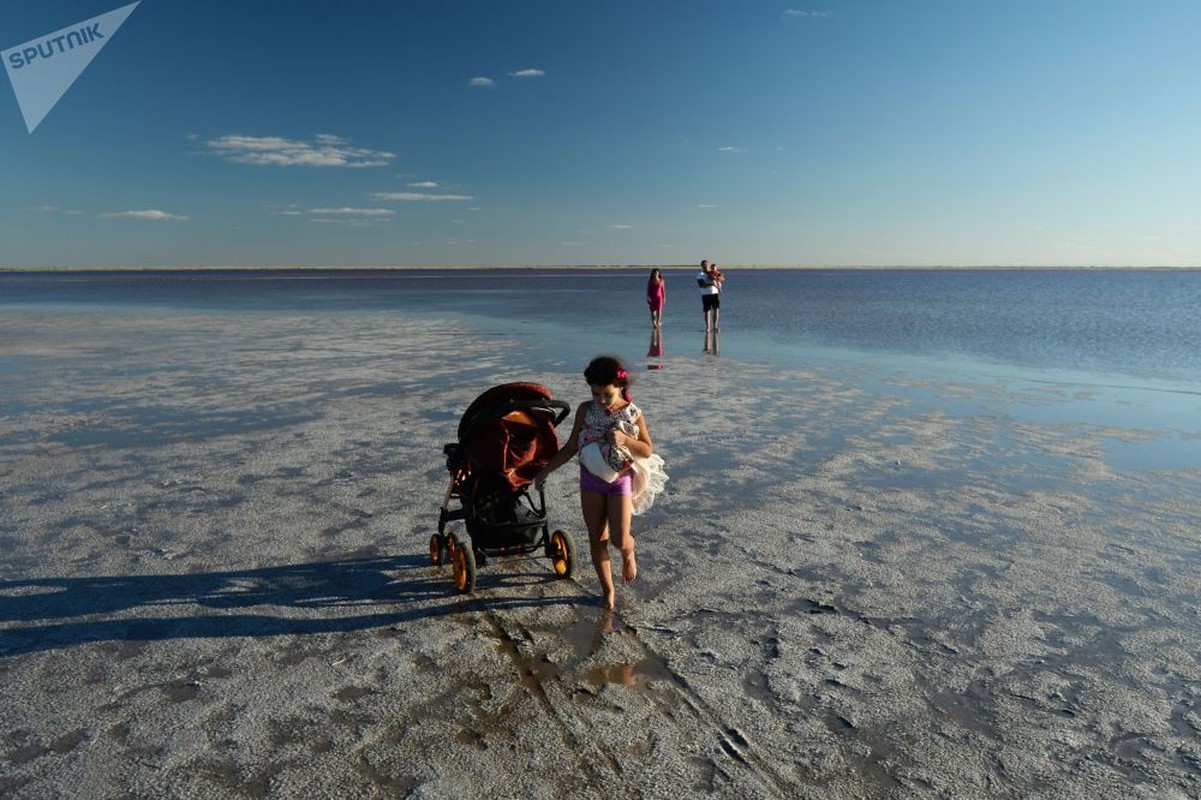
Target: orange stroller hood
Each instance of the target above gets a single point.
(509, 432)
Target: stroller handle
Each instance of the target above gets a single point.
(556, 408)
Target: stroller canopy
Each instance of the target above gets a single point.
(509, 432)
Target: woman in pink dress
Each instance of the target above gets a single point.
(656, 296)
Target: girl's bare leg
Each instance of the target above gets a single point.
(593, 508)
(619, 526)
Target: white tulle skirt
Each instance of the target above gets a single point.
(649, 480)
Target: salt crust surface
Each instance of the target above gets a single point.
(215, 583)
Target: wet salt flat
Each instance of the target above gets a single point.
(866, 578)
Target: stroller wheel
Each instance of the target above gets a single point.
(562, 554)
(463, 560)
(436, 550)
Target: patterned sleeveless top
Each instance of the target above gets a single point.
(598, 421)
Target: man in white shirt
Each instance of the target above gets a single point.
(710, 295)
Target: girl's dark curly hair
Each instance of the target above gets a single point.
(608, 371)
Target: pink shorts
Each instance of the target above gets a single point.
(621, 487)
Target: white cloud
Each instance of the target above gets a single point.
(481, 82)
(150, 214)
(619, 227)
(348, 222)
(798, 13)
(422, 185)
(55, 210)
(354, 212)
(731, 149)
(345, 216)
(527, 73)
(705, 205)
(419, 197)
(326, 150)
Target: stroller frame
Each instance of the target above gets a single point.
(501, 516)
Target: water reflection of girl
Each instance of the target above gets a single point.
(655, 350)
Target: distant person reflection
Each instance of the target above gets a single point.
(711, 337)
(655, 349)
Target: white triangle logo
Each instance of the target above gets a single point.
(41, 70)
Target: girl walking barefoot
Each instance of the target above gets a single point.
(619, 472)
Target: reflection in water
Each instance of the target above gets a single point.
(604, 624)
(711, 337)
(656, 346)
(612, 673)
(655, 349)
(609, 673)
(635, 673)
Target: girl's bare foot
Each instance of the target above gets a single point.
(629, 567)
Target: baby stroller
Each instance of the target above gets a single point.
(506, 436)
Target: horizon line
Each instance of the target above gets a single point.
(519, 265)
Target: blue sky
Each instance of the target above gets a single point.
(883, 132)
